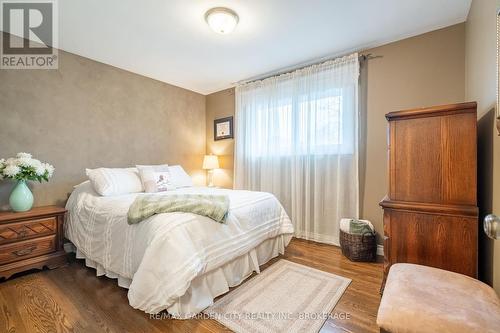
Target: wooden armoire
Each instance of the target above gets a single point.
(430, 212)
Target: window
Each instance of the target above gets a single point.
(310, 124)
(297, 137)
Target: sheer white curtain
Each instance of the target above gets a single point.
(297, 137)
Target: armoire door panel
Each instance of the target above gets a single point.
(458, 169)
(446, 242)
(416, 154)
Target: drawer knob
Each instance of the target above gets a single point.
(25, 251)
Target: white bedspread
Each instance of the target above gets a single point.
(163, 254)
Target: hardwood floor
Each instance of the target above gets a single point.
(73, 299)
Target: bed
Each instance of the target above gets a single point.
(176, 261)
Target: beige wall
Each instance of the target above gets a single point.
(221, 105)
(421, 71)
(87, 114)
(481, 86)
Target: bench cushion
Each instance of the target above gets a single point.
(424, 299)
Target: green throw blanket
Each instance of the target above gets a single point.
(359, 227)
(212, 206)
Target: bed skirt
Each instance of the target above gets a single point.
(206, 287)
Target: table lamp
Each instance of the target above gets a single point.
(210, 162)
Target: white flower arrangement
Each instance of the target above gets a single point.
(25, 167)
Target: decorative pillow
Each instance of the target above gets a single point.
(115, 181)
(179, 177)
(155, 178)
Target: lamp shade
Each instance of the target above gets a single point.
(210, 162)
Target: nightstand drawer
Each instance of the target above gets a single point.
(27, 249)
(16, 231)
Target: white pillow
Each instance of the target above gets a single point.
(179, 177)
(155, 178)
(115, 181)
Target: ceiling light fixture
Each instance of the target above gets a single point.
(222, 20)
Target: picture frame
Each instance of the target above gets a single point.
(223, 128)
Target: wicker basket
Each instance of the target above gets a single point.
(358, 247)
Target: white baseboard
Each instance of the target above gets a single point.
(319, 238)
(380, 250)
(330, 240)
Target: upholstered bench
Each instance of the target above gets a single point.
(421, 299)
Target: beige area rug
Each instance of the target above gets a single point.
(286, 297)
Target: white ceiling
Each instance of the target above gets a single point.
(168, 40)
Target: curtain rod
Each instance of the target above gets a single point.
(362, 58)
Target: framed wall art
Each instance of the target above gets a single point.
(223, 128)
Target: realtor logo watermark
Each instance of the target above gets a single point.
(32, 32)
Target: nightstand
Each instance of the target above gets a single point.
(32, 239)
